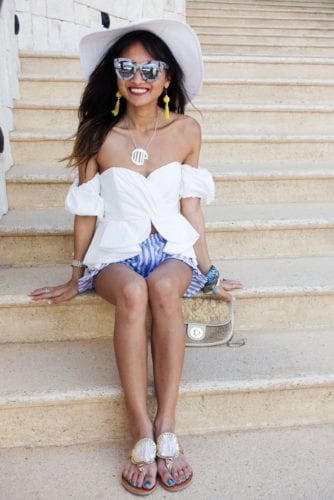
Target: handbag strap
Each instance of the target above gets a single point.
(237, 343)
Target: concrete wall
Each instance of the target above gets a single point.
(9, 88)
(58, 25)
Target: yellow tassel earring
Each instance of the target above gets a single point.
(115, 111)
(166, 100)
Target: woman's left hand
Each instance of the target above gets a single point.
(225, 286)
(56, 294)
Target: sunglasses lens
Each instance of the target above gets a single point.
(150, 71)
(125, 69)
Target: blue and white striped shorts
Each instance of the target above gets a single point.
(150, 257)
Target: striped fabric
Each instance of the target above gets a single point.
(151, 256)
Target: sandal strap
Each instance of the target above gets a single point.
(143, 453)
(168, 448)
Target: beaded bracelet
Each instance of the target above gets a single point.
(212, 279)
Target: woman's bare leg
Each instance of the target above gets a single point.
(127, 290)
(166, 286)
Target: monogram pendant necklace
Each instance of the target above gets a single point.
(139, 155)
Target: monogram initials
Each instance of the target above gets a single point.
(138, 156)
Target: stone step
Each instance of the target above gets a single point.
(302, 456)
(235, 19)
(284, 183)
(227, 11)
(265, 119)
(50, 62)
(48, 116)
(263, 3)
(63, 393)
(259, 31)
(266, 148)
(224, 118)
(302, 288)
(269, 49)
(271, 5)
(276, 91)
(270, 230)
(48, 148)
(61, 88)
(44, 236)
(32, 187)
(268, 68)
(221, 38)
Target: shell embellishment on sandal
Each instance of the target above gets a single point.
(143, 453)
(168, 448)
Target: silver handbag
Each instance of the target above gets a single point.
(206, 335)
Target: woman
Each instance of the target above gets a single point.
(138, 222)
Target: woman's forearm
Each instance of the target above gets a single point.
(192, 211)
(84, 228)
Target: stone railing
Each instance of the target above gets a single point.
(9, 89)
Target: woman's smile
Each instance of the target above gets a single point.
(139, 91)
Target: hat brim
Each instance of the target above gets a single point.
(180, 38)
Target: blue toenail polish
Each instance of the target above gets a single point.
(147, 484)
(170, 482)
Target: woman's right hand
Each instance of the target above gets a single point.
(56, 294)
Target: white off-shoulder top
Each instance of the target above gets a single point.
(127, 203)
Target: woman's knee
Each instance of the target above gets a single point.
(133, 296)
(162, 290)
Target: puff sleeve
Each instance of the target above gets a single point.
(197, 183)
(85, 199)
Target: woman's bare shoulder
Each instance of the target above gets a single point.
(190, 131)
(187, 122)
(89, 170)
(189, 128)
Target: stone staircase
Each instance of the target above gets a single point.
(268, 121)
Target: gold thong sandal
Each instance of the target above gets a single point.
(143, 453)
(168, 449)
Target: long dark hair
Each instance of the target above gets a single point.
(98, 98)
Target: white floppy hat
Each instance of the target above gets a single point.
(180, 38)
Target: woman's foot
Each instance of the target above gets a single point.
(145, 480)
(137, 477)
(180, 474)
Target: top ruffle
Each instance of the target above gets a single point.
(197, 183)
(85, 199)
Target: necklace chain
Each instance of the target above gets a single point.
(139, 155)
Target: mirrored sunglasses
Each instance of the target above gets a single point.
(150, 70)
